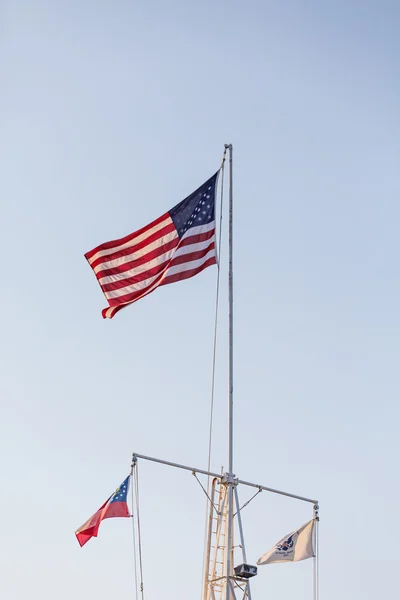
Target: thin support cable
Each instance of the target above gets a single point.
(136, 472)
(134, 534)
(239, 586)
(248, 501)
(222, 169)
(216, 318)
(316, 553)
(205, 491)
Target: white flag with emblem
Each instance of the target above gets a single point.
(298, 545)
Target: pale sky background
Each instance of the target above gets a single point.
(112, 112)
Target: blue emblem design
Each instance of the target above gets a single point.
(285, 545)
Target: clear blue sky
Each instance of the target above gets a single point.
(111, 114)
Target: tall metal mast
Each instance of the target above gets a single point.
(220, 578)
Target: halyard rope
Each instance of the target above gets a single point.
(136, 477)
(133, 534)
(214, 355)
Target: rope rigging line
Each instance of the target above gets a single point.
(222, 169)
(316, 552)
(136, 478)
(216, 315)
(134, 534)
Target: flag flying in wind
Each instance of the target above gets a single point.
(176, 246)
(115, 506)
(296, 546)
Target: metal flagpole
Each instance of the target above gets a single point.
(230, 483)
(230, 413)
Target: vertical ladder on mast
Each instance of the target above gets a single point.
(215, 580)
(214, 575)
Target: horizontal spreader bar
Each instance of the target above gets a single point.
(219, 476)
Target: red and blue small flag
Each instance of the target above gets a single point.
(115, 506)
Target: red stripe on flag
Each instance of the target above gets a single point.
(134, 296)
(196, 239)
(186, 274)
(144, 274)
(158, 235)
(131, 281)
(190, 256)
(126, 239)
(175, 260)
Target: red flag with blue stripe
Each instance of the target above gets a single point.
(115, 506)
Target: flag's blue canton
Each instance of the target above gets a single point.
(197, 209)
(122, 492)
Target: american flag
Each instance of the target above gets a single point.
(176, 246)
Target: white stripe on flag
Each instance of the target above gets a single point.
(159, 260)
(199, 229)
(133, 242)
(190, 248)
(136, 254)
(188, 266)
(130, 289)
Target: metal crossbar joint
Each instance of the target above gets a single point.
(230, 479)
